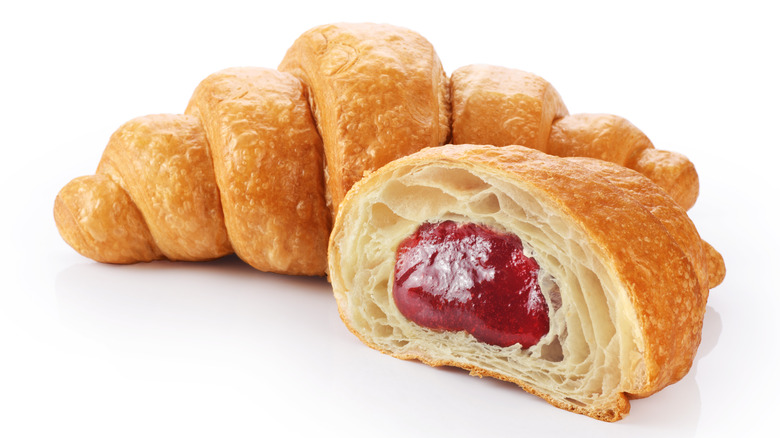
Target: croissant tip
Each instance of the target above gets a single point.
(716, 266)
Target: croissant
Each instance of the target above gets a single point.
(579, 280)
(261, 160)
(503, 106)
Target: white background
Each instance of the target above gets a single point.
(218, 349)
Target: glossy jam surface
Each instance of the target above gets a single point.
(451, 276)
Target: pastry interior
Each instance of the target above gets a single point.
(592, 353)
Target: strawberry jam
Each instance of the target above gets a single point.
(453, 277)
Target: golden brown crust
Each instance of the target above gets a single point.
(685, 244)
(602, 136)
(378, 92)
(268, 165)
(612, 138)
(100, 221)
(648, 244)
(158, 171)
(503, 106)
(716, 266)
(162, 161)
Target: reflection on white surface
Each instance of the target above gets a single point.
(223, 297)
(278, 341)
(684, 397)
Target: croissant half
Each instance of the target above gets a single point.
(623, 275)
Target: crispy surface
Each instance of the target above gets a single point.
(268, 165)
(153, 196)
(652, 264)
(612, 138)
(502, 106)
(100, 221)
(378, 92)
(163, 163)
(374, 93)
(248, 146)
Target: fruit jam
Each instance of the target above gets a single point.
(452, 277)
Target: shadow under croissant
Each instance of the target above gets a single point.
(126, 307)
(222, 298)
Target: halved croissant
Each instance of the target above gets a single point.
(623, 271)
(503, 106)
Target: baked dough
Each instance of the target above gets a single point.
(503, 106)
(615, 139)
(627, 274)
(268, 163)
(378, 92)
(241, 171)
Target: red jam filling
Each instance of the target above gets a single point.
(454, 277)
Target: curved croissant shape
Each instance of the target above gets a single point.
(503, 106)
(241, 171)
(616, 266)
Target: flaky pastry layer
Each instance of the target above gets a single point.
(622, 267)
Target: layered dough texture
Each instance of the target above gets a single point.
(608, 293)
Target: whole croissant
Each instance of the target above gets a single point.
(261, 159)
